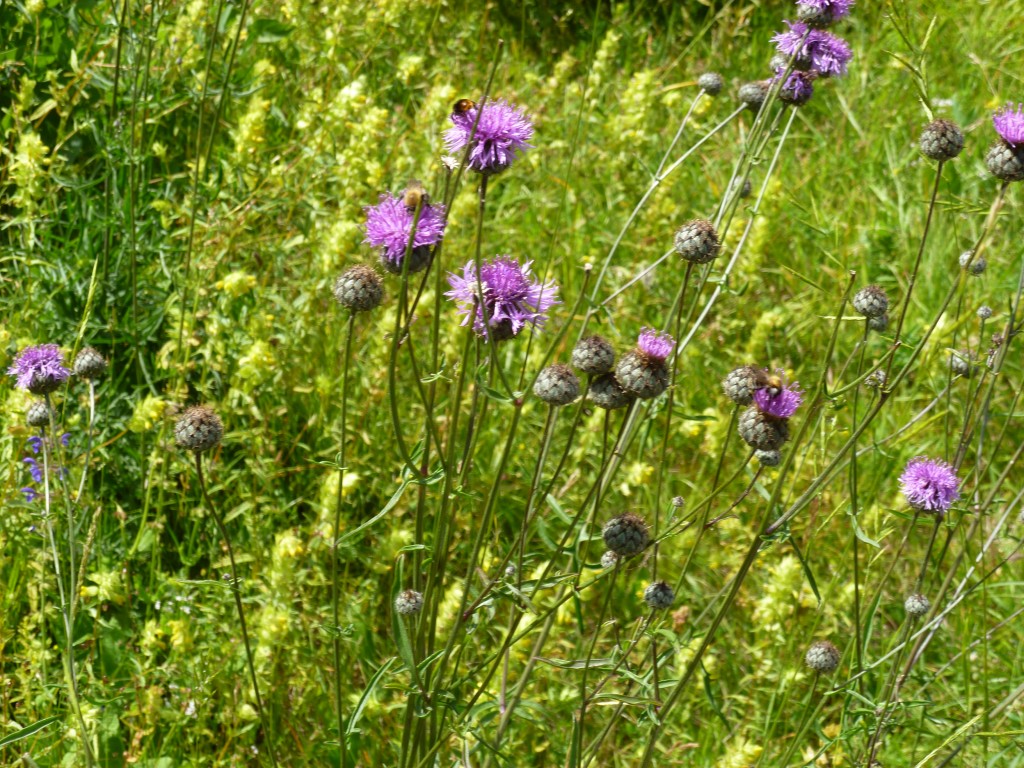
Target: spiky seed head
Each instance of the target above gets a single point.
(593, 355)
(960, 362)
(984, 312)
(678, 502)
(711, 82)
(761, 431)
(626, 535)
(89, 364)
(609, 559)
(741, 383)
(871, 301)
(659, 596)
(198, 429)
(878, 324)
(822, 657)
(605, 392)
(917, 605)
(409, 602)
(875, 380)
(38, 414)
(360, 288)
(768, 458)
(557, 385)
(975, 267)
(941, 140)
(641, 376)
(753, 94)
(1006, 161)
(697, 242)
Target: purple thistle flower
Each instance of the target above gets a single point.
(511, 296)
(30, 493)
(779, 402)
(798, 88)
(1009, 124)
(833, 10)
(929, 485)
(40, 369)
(655, 345)
(821, 51)
(34, 469)
(389, 224)
(504, 132)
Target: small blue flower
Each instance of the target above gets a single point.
(34, 469)
(30, 493)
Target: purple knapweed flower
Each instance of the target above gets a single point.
(40, 369)
(502, 134)
(832, 10)
(1009, 124)
(780, 401)
(655, 345)
(929, 485)
(798, 88)
(389, 226)
(31, 494)
(34, 469)
(512, 297)
(821, 51)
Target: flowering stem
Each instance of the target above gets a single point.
(655, 182)
(809, 713)
(236, 591)
(336, 535)
(88, 439)
(755, 545)
(66, 608)
(580, 730)
(854, 511)
(917, 263)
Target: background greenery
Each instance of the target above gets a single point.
(181, 185)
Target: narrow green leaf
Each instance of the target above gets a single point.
(807, 569)
(28, 730)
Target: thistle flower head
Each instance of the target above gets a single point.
(779, 401)
(198, 429)
(389, 227)
(512, 297)
(654, 345)
(89, 364)
(1009, 124)
(822, 656)
(917, 605)
(40, 369)
(798, 88)
(408, 602)
(929, 485)
(821, 13)
(711, 83)
(659, 595)
(821, 51)
(502, 134)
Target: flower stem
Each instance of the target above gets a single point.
(236, 591)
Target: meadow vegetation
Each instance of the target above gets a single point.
(410, 516)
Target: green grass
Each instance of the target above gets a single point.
(185, 206)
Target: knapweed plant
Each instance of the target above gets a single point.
(417, 385)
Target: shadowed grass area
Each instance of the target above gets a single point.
(181, 185)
